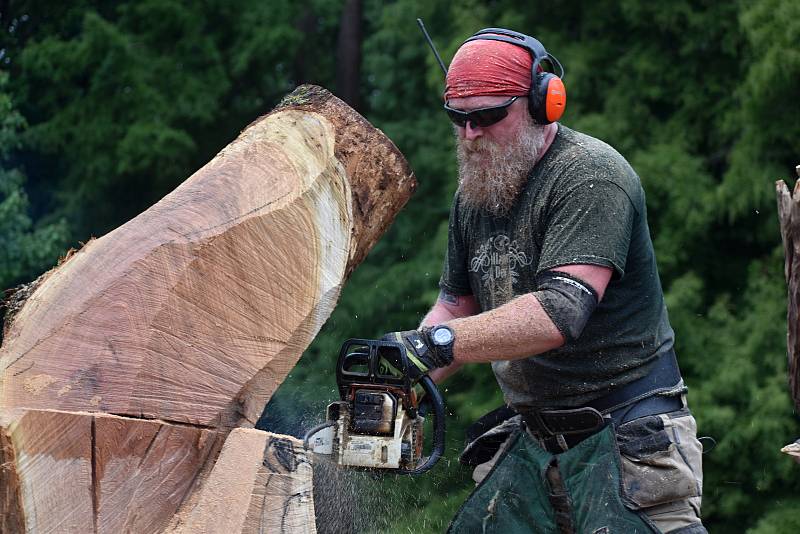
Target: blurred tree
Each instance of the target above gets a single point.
(348, 55)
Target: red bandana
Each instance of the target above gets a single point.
(485, 67)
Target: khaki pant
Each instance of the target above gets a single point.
(661, 470)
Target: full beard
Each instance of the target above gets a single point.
(491, 176)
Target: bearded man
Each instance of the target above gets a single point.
(550, 276)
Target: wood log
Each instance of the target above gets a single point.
(789, 215)
(146, 347)
(261, 482)
(83, 471)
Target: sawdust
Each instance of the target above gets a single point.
(95, 401)
(35, 384)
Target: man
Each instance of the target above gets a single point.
(550, 276)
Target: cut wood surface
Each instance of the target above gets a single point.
(183, 322)
(261, 483)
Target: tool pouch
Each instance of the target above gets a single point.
(486, 435)
(532, 490)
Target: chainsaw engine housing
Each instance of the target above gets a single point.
(373, 431)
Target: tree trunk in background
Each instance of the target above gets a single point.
(348, 55)
(306, 25)
(789, 214)
(124, 369)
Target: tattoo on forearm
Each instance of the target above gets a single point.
(449, 298)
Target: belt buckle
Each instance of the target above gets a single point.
(572, 421)
(550, 427)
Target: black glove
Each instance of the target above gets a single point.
(422, 353)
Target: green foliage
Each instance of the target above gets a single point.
(766, 122)
(781, 519)
(126, 99)
(125, 102)
(23, 247)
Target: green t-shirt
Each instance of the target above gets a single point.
(583, 204)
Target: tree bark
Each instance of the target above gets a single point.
(789, 215)
(124, 369)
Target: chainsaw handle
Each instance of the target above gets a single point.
(365, 356)
(437, 403)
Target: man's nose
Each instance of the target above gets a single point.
(472, 132)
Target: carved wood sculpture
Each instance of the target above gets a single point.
(789, 214)
(127, 369)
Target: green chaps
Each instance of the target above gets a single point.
(530, 490)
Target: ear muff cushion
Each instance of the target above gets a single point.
(548, 98)
(556, 98)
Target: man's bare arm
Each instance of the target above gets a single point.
(520, 328)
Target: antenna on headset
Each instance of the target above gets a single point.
(433, 47)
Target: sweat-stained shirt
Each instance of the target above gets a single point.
(583, 204)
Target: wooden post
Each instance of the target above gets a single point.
(789, 214)
(124, 369)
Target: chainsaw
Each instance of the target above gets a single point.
(378, 423)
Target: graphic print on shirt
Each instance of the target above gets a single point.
(497, 262)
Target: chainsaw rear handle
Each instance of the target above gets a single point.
(437, 403)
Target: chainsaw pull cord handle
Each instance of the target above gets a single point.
(437, 403)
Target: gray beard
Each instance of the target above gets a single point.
(491, 176)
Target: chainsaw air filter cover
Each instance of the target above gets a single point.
(373, 412)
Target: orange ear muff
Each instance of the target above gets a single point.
(556, 100)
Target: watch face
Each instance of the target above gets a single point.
(442, 336)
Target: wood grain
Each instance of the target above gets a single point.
(84, 472)
(53, 463)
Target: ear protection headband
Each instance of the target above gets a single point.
(547, 97)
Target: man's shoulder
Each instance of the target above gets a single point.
(585, 158)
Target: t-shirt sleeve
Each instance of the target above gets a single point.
(591, 223)
(455, 274)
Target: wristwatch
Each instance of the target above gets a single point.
(442, 338)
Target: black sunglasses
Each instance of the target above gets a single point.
(481, 118)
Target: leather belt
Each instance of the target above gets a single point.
(564, 422)
(656, 393)
(663, 378)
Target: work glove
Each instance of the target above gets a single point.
(422, 354)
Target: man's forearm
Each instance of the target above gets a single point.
(518, 329)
